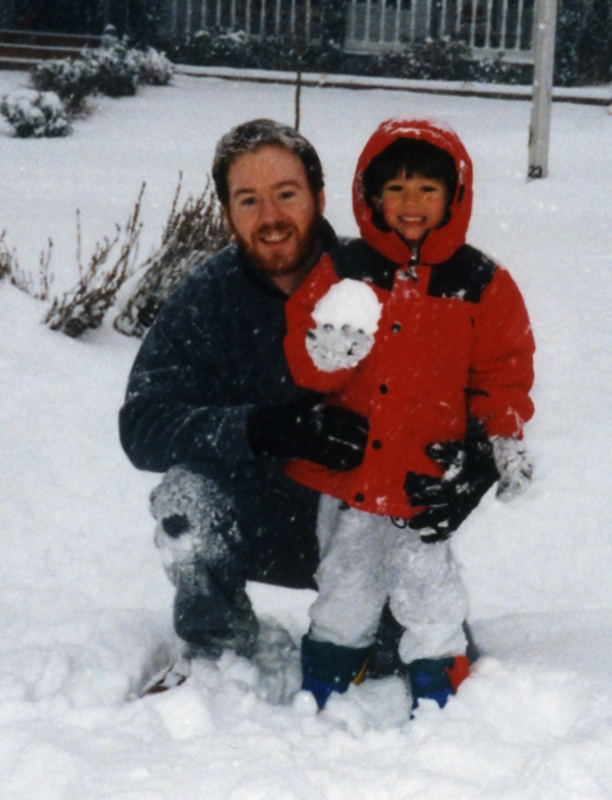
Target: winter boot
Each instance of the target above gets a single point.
(328, 668)
(384, 659)
(436, 678)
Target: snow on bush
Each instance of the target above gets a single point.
(115, 71)
(155, 68)
(192, 233)
(83, 307)
(6, 258)
(118, 69)
(35, 114)
(37, 285)
(73, 80)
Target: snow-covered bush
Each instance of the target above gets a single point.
(192, 233)
(73, 80)
(37, 285)
(154, 68)
(117, 70)
(240, 49)
(444, 59)
(583, 43)
(83, 307)
(37, 114)
(6, 258)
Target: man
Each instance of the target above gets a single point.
(211, 403)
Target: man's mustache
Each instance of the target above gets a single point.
(270, 229)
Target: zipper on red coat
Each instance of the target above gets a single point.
(414, 260)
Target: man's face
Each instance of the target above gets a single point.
(272, 211)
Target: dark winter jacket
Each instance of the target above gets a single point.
(454, 339)
(214, 351)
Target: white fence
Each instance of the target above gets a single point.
(255, 17)
(487, 26)
(372, 26)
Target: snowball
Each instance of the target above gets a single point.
(352, 303)
(332, 348)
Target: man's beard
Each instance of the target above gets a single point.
(278, 264)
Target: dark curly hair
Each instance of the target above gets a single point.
(249, 137)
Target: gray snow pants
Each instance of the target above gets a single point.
(367, 560)
(218, 528)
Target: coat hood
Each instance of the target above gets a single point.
(440, 243)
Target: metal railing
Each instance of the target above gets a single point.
(488, 27)
(255, 17)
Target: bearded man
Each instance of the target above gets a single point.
(210, 401)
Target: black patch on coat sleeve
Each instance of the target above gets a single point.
(361, 262)
(465, 275)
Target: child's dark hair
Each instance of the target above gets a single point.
(410, 157)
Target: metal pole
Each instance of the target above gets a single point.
(300, 36)
(539, 128)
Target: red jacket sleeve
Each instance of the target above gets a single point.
(299, 310)
(501, 372)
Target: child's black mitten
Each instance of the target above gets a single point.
(470, 472)
(327, 435)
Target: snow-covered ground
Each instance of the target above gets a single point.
(83, 600)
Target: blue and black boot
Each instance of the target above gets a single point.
(384, 659)
(328, 668)
(436, 678)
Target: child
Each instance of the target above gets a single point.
(429, 340)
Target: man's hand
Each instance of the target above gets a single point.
(470, 472)
(327, 435)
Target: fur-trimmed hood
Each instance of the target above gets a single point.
(441, 243)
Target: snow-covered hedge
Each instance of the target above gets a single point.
(73, 80)
(154, 67)
(192, 233)
(36, 114)
(6, 260)
(115, 71)
(83, 307)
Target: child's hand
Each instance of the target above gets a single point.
(514, 465)
(332, 348)
(346, 320)
(470, 471)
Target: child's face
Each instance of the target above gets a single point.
(413, 205)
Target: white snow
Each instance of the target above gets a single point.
(84, 602)
(346, 320)
(349, 302)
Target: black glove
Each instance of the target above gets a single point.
(470, 472)
(331, 436)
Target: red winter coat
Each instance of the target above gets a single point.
(453, 340)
